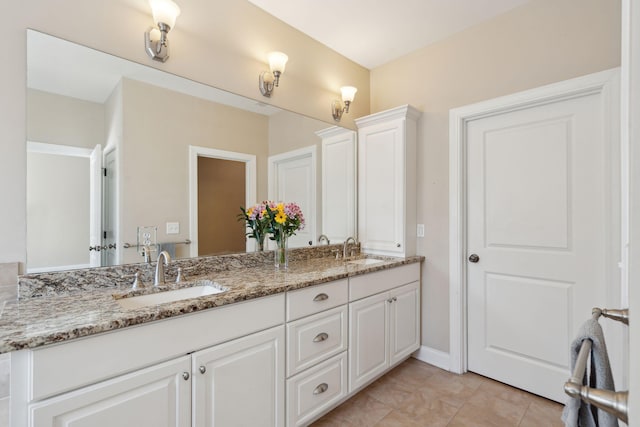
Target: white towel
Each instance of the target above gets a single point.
(169, 247)
(576, 412)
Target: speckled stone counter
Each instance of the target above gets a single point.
(47, 317)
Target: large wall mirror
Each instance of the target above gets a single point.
(119, 153)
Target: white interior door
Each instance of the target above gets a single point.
(539, 214)
(95, 204)
(292, 178)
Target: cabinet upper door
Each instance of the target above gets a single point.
(159, 396)
(381, 184)
(241, 383)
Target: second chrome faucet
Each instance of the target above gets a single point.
(164, 259)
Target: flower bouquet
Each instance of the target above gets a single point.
(284, 220)
(257, 222)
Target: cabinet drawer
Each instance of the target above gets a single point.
(373, 283)
(316, 338)
(314, 299)
(317, 390)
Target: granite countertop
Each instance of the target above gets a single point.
(38, 321)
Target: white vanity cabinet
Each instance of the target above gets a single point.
(316, 350)
(151, 375)
(384, 322)
(387, 181)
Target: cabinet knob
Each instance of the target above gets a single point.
(395, 299)
(321, 388)
(323, 336)
(186, 376)
(398, 245)
(474, 258)
(321, 297)
(202, 369)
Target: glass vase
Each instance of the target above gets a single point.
(281, 259)
(260, 244)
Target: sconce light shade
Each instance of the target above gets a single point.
(277, 62)
(348, 93)
(165, 13)
(340, 107)
(269, 80)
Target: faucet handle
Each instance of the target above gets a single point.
(181, 277)
(137, 283)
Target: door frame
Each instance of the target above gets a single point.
(605, 83)
(250, 186)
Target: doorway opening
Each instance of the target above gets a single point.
(219, 183)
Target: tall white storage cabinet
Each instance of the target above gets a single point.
(338, 183)
(387, 181)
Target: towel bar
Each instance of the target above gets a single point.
(613, 402)
(184, 242)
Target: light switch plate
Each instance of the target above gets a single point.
(173, 227)
(420, 230)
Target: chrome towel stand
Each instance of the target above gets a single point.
(613, 402)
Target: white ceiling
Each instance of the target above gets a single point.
(372, 33)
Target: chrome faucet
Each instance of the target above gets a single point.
(346, 245)
(163, 260)
(325, 238)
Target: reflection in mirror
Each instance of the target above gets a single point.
(114, 146)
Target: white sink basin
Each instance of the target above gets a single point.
(169, 296)
(365, 261)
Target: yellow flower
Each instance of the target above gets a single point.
(280, 207)
(281, 217)
(249, 211)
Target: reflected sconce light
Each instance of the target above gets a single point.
(340, 107)
(156, 43)
(269, 80)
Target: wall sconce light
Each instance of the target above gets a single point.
(268, 80)
(339, 107)
(156, 43)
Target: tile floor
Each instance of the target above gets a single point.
(416, 394)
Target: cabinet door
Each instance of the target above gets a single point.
(158, 396)
(404, 322)
(241, 383)
(381, 181)
(368, 339)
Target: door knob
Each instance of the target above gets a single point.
(474, 258)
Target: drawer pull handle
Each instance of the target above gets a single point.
(186, 376)
(321, 388)
(321, 297)
(323, 336)
(202, 369)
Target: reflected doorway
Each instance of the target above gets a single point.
(221, 192)
(214, 207)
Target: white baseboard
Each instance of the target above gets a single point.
(433, 357)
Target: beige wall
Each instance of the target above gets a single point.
(57, 119)
(224, 46)
(541, 42)
(158, 127)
